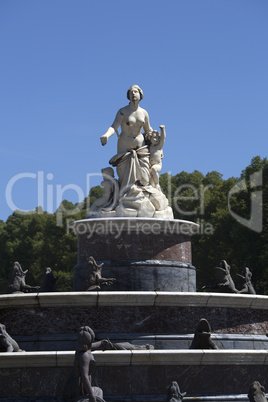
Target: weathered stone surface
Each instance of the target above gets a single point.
(32, 382)
(135, 380)
(137, 319)
(134, 239)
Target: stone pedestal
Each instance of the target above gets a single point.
(140, 253)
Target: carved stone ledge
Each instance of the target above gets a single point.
(138, 357)
(135, 298)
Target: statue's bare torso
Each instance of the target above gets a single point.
(132, 122)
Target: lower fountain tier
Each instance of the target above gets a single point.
(169, 313)
(140, 253)
(136, 375)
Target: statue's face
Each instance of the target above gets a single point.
(84, 337)
(155, 138)
(134, 94)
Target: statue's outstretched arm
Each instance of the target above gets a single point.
(162, 136)
(111, 130)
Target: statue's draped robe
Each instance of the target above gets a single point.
(133, 167)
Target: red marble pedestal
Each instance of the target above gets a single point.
(141, 253)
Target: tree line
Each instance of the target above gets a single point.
(233, 225)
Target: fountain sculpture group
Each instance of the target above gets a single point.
(135, 285)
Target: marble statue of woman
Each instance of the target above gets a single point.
(132, 159)
(137, 168)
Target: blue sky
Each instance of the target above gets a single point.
(66, 66)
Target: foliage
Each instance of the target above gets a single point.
(204, 200)
(38, 239)
(35, 240)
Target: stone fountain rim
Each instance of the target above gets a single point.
(138, 357)
(134, 224)
(133, 298)
(139, 219)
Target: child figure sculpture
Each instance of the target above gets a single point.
(111, 192)
(156, 155)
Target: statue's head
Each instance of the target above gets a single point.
(154, 137)
(107, 172)
(86, 336)
(2, 329)
(256, 389)
(246, 272)
(135, 87)
(174, 393)
(17, 270)
(203, 327)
